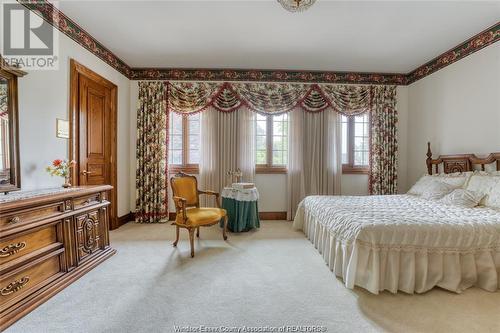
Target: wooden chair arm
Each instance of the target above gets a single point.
(216, 194)
(180, 206)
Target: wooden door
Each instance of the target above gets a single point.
(95, 142)
(93, 132)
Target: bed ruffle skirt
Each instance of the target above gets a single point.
(409, 269)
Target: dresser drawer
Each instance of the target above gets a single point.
(21, 282)
(15, 247)
(85, 201)
(26, 216)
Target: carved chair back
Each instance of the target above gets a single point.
(185, 186)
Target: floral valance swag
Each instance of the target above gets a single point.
(156, 99)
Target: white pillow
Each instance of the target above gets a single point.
(455, 179)
(436, 190)
(489, 186)
(462, 198)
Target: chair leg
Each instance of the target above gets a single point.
(191, 241)
(176, 235)
(224, 230)
(198, 232)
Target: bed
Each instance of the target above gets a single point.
(406, 242)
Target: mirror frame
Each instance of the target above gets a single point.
(11, 74)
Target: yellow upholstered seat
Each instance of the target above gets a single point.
(189, 215)
(204, 216)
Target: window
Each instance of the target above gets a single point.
(184, 142)
(271, 143)
(355, 144)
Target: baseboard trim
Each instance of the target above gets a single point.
(262, 216)
(126, 218)
(272, 215)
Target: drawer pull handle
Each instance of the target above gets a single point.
(12, 249)
(14, 286)
(15, 220)
(87, 202)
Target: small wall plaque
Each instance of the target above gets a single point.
(62, 127)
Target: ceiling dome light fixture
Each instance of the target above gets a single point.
(296, 5)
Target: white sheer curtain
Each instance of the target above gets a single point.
(227, 143)
(246, 143)
(314, 162)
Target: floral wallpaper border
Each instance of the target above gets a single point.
(59, 20)
(67, 26)
(192, 74)
(474, 44)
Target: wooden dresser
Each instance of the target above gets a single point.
(48, 239)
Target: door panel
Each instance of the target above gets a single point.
(95, 142)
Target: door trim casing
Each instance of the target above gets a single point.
(74, 136)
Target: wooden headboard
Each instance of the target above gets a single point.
(459, 162)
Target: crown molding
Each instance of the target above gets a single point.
(70, 28)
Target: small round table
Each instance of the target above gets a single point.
(242, 208)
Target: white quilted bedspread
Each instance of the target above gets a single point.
(403, 221)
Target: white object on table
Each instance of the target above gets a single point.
(242, 186)
(248, 194)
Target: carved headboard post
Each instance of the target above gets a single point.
(428, 161)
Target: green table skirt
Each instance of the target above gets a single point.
(242, 215)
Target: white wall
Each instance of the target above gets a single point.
(457, 109)
(43, 97)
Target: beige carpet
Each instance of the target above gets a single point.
(271, 277)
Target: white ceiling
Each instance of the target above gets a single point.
(369, 36)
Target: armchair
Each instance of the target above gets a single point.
(189, 215)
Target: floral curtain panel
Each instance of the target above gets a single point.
(384, 141)
(152, 154)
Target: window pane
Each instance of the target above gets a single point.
(260, 117)
(194, 142)
(345, 138)
(261, 143)
(175, 139)
(175, 157)
(358, 129)
(280, 139)
(358, 158)
(175, 123)
(175, 142)
(278, 157)
(194, 156)
(193, 128)
(194, 125)
(361, 140)
(260, 157)
(345, 158)
(277, 127)
(359, 143)
(261, 128)
(261, 139)
(277, 143)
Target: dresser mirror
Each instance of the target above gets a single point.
(10, 178)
